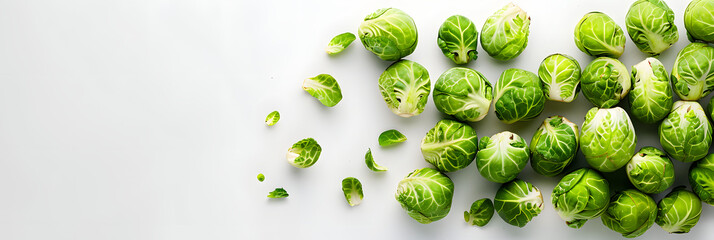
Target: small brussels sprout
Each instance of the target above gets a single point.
(679, 211)
(339, 43)
(325, 88)
(517, 202)
(504, 35)
(607, 139)
(426, 195)
(502, 157)
(272, 118)
(650, 170)
(463, 93)
(480, 213)
(630, 213)
(391, 137)
(605, 81)
(352, 188)
(651, 94)
(261, 177)
(518, 96)
(278, 193)
(405, 88)
(701, 177)
(560, 77)
(369, 161)
(650, 24)
(389, 33)
(580, 196)
(686, 133)
(554, 145)
(693, 72)
(698, 20)
(599, 36)
(450, 145)
(458, 39)
(304, 153)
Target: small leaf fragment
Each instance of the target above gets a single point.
(325, 88)
(391, 137)
(369, 160)
(272, 118)
(352, 189)
(261, 177)
(480, 213)
(278, 193)
(339, 43)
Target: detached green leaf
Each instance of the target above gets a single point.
(391, 137)
(369, 160)
(272, 118)
(339, 43)
(304, 153)
(325, 88)
(353, 191)
(278, 193)
(480, 213)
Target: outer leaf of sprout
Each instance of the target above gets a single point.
(339, 43)
(272, 118)
(369, 160)
(480, 213)
(391, 137)
(352, 188)
(278, 193)
(304, 153)
(325, 88)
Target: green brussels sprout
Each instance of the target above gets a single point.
(693, 72)
(352, 188)
(686, 133)
(426, 195)
(391, 137)
(389, 33)
(605, 81)
(698, 20)
(339, 43)
(518, 96)
(304, 153)
(679, 211)
(630, 213)
(463, 93)
(599, 36)
(701, 177)
(325, 88)
(369, 161)
(650, 170)
(480, 213)
(504, 35)
(517, 202)
(458, 39)
(651, 94)
(261, 177)
(560, 77)
(580, 196)
(554, 145)
(502, 157)
(650, 24)
(278, 193)
(450, 145)
(272, 118)
(607, 139)
(405, 88)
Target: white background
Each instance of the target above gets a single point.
(144, 120)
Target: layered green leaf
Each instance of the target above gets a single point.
(630, 213)
(650, 24)
(679, 211)
(699, 20)
(352, 188)
(693, 72)
(278, 193)
(304, 153)
(686, 133)
(650, 170)
(605, 81)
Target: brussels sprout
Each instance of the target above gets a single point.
(369, 161)
(458, 39)
(607, 139)
(518, 96)
(650, 24)
(650, 170)
(352, 189)
(389, 33)
(339, 43)
(517, 202)
(426, 195)
(630, 213)
(502, 157)
(560, 76)
(599, 36)
(701, 177)
(261, 177)
(554, 145)
(325, 88)
(693, 72)
(391, 137)
(686, 133)
(405, 88)
(504, 35)
(480, 213)
(580, 196)
(605, 82)
(651, 94)
(450, 145)
(698, 20)
(463, 93)
(278, 193)
(304, 153)
(679, 211)
(272, 118)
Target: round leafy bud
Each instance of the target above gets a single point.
(304, 153)
(518, 96)
(450, 145)
(701, 177)
(426, 195)
(560, 76)
(517, 202)
(605, 81)
(554, 145)
(650, 24)
(651, 94)
(502, 157)
(389, 33)
(693, 72)
(599, 36)
(698, 20)
(504, 35)
(580, 196)
(463, 93)
(458, 39)
(405, 88)
(480, 213)
(650, 170)
(679, 211)
(607, 139)
(686, 133)
(630, 213)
